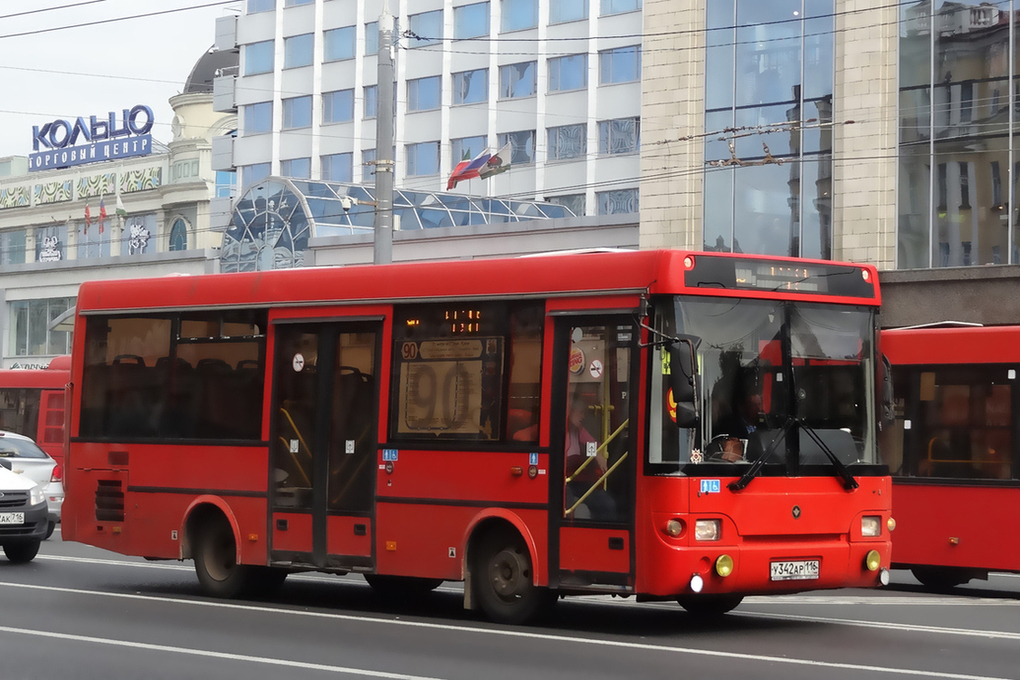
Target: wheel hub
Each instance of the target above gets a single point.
(508, 574)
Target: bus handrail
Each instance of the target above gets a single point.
(599, 451)
(301, 439)
(595, 486)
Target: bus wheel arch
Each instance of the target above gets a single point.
(211, 539)
(501, 577)
(201, 511)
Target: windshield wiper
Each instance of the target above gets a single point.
(757, 465)
(849, 483)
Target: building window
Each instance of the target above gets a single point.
(93, 243)
(518, 80)
(427, 28)
(568, 10)
(622, 135)
(51, 243)
(137, 237)
(622, 65)
(338, 167)
(965, 186)
(253, 174)
(522, 146)
(30, 327)
(575, 203)
(423, 159)
(297, 168)
(568, 73)
(368, 157)
(619, 6)
(465, 148)
(295, 3)
(371, 101)
(12, 246)
(297, 112)
(257, 118)
(226, 184)
(178, 236)
(338, 106)
(423, 94)
(966, 101)
(617, 202)
(338, 44)
(519, 14)
(471, 21)
(372, 38)
(568, 141)
(471, 87)
(256, 6)
(258, 58)
(297, 50)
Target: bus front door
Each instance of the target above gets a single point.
(596, 376)
(323, 443)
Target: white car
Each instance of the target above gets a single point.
(24, 517)
(22, 456)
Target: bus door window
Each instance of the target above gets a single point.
(598, 459)
(296, 374)
(352, 431)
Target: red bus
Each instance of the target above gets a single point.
(953, 451)
(534, 427)
(32, 404)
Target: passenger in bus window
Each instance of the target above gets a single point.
(584, 471)
(733, 428)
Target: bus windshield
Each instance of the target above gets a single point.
(772, 368)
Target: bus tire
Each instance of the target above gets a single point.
(215, 552)
(502, 581)
(709, 605)
(22, 551)
(400, 587)
(940, 578)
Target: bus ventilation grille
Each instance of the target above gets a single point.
(110, 500)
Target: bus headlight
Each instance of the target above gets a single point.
(891, 523)
(674, 528)
(873, 560)
(707, 529)
(871, 526)
(724, 565)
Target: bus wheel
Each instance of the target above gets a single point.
(940, 578)
(400, 587)
(19, 553)
(215, 562)
(709, 605)
(502, 581)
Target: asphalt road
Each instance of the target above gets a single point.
(81, 613)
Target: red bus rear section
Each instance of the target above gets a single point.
(953, 451)
(32, 404)
(534, 427)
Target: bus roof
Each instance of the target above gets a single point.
(649, 271)
(951, 345)
(53, 377)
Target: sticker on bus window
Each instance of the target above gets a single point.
(710, 486)
(532, 459)
(595, 369)
(298, 362)
(389, 455)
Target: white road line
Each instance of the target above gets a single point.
(304, 665)
(503, 632)
(911, 627)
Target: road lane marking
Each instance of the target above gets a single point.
(548, 637)
(908, 627)
(871, 600)
(226, 656)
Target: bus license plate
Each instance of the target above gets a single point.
(12, 518)
(794, 570)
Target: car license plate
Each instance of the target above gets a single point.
(12, 518)
(798, 570)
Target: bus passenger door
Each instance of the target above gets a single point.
(323, 443)
(596, 375)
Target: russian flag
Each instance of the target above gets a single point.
(465, 170)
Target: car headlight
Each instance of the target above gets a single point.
(871, 526)
(707, 530)
(37, 495)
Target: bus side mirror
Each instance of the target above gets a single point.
(682, 381)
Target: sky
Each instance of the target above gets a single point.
(63, 73)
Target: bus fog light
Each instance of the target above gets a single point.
(871, 526)
(873, 560)
(883, 576)
(707, 529)
(697, 583)
(891, 524)
(724, 565)
(674, 527)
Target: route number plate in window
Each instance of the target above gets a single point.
(12, 518)
(794, 570)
